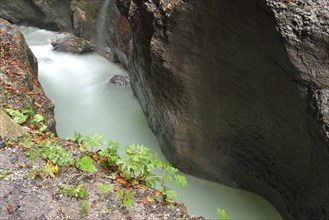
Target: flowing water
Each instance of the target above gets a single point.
(86, 102)
(101, 26)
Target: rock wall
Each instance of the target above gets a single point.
(19, 87)
(98, 21)
(49, 14)
(236, 92)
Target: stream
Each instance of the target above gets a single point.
(87, 103)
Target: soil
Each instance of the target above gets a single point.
(25, 193)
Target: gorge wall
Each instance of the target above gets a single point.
(19, 86)
(236, 91)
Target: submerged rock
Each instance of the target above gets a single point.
(72, 44)
(119, 80)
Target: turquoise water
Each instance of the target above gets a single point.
(86, 102)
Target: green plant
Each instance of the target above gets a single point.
(105, 188)
(21, 116)
(77, 191)
(33, 154)
(84, 208)
(89, 143)
(3, 68)
(27, 141)
(86, 164)
(109, 211)
(77, 138)
(140, 164)
(4, 173)
(222, 214)
(17, 115)
(38, 119)
(127, 198)
(110, 153)
(58, 155)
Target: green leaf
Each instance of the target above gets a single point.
(105, 188)
(38, 118)
(84, 208)
(86, 164)
(222, 214)
(127, 198)
(180, 180)
(109, 211)
(19, 117)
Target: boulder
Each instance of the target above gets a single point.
(9, 128)
(237, 92)
(71, 44)
(119, 80)
(19, 86)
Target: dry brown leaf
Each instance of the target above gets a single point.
(122, 181)
(150, 199)
(63, 211)
(10, 208)
(156, 193)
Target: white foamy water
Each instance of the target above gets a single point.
(85, 102)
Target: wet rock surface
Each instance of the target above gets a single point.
(19, 87)
(236, 92)
(72, 44)
(119, 80)
(50, 14)
(31, 185)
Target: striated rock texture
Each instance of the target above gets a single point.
(98, 21)
(237, 92)
(50, 14)
(19, 87)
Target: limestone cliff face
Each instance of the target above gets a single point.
(237, 92)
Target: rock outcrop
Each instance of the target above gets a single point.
(45, 177)
(9, 128)
(237, 92)
(72, 44)
(49, 14)
(119, 80)
(98, 21)
(19, 87)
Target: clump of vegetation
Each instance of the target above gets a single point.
(21, 117)
(222, 215)
(84, 208)
(137, 167)
(127, 198)
(76, 191)
(4, 173)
